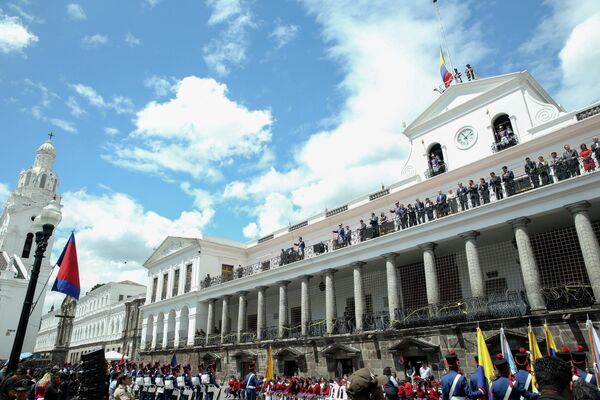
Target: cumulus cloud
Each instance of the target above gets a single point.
(111, 131)
(76, 109)
(14, 36)
(116, 234)
(283, 34)
(120, 104)
(196, 132)
(62, 124)
(75, 12)
(387, 51)
(132, 40)
(228, 48)
(160, 85)
(94, 40)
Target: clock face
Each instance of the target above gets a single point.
(466, 138)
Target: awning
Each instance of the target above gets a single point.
(340, 349)
(114, 356)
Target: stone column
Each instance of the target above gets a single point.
(431, 280)
(225, 328)
(283, 322)
(306, 314)
(475, 273)
(588, 243)
(529, 269)
(359, 294)
(210, 320)
(330, 305)
(165, 332)
(192, 327)
(154, 331)
(395, 300)
(261, 312)
(144, 333)
(177, 328)
(241, 326)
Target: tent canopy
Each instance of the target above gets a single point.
(114, 356)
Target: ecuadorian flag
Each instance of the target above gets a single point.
(446, 76)
(67, 279)
(550, 344)
(485, 371)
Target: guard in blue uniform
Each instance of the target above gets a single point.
(523, 376)
(251, 383)
(199, 390)
(505, 387)
(579, 366)
(187, 380)
(473, 376)
(454, 384)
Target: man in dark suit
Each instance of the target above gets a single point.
(441, 204)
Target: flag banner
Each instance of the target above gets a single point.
(595, 348)
(551, 347)
(446, 75)
(534, 352)
(485, 371)
(506, 353)
(67, 279)
(269, 374)
(173, 361)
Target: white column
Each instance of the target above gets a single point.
(475, 273)
(241, 325)
(282, 322)
(590, 250)
(210, 320)
(192, 326)
(165, 332)
(330, 304)
(306, 314)
(154, 331)
(431, 280)
(225, 317)
(359, 295)
(177, 328)
(261, 312)
(529, 269)
(395, 300)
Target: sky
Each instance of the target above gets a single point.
(233, 118)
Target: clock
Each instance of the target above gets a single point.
(465, 138)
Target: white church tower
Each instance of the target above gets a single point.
(36, 189)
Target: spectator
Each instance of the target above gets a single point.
(554, 379)
(374, 222)
(123, 391)
(53, 391)
(451, 197)
(543, 170)
(420, 207)
(462, 192)
(496, 184)
(559, 166)
(484, 191)
(473, 190)
(586, 156)
(572, 160)
(595, 147)
(429, 209)
(441, 204)
(532, 171)
(348, 236)
(412, 215)
(509, 181)
(583, 390)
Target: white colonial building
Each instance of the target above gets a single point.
(417, 291)
(36, 189)
(101, 317)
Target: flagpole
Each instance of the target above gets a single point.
(590, 327)
(443, 33)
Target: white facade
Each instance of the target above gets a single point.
(373, 269)
(46, 337)
(37, 188)
(100, 318)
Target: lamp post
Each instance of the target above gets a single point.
(44, 226)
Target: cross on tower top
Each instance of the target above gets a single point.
(50, 136)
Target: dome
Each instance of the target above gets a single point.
(47, 148)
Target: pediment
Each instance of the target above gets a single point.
(170, 245)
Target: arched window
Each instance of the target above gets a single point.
(27, 246)
(504, 134)
(27, 178)
(435, 160)
(43, 181)
(55, 185)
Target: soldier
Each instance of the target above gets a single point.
(543, 169)
(462, 192)
(454, 384)
(523, 376)
(198, 389)
(412, 215)
(503, 388)
(532, 171)
(579, 366)
(474, 193)
(509, 181)
(496, 184)
(473, 381)
(572, 160)
(251, 383)
(420, 207)
(484, 191)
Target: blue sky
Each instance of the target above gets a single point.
(235, 117)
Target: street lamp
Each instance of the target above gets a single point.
(43, 226)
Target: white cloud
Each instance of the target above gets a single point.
(251, 230)
(46, 94)
(387, 51)
(75, 108)
(228, 48)
(283, 34)
(195, 132)
(30, 18)
(14, 36)
(111, 131)
(94, 40)
(202, 198)
(75, 12)
(120, 104)
(132, 40)
(4, 193)
(64, 125)
(161, 86)
(113, 228)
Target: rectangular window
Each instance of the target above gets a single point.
(295, 316)
(252, 322)
(120, 297)
(188, 278)
(164, 286)
(369, 304)
(154, 288)
(227, 272)
(175, 283)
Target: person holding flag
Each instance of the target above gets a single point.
(251, 382)
(454, 384)
(578, 359)
(523, 376)
(505, 387)
(534, 351)
(67, 279)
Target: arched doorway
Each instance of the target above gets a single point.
(504, 134)
(435, 160)
(412, 353)
(341, 359)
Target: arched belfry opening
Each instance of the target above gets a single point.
(435, 160)
(504, 134)
(27, 246)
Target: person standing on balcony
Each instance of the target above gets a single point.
(452, 202)
(441, 203)
(429, 207)
(572, 160)
(586, 156)
(595, 147)
(374, 222)
(412, 215)
(496, 184)
(509, 181)
(484, 191)
(348, 236)
(474, 193)
(543, 170)
(532, 171)
(301, 246)
(420, 207)
(462, 192)
(341, 238)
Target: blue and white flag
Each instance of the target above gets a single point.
(506, 353)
